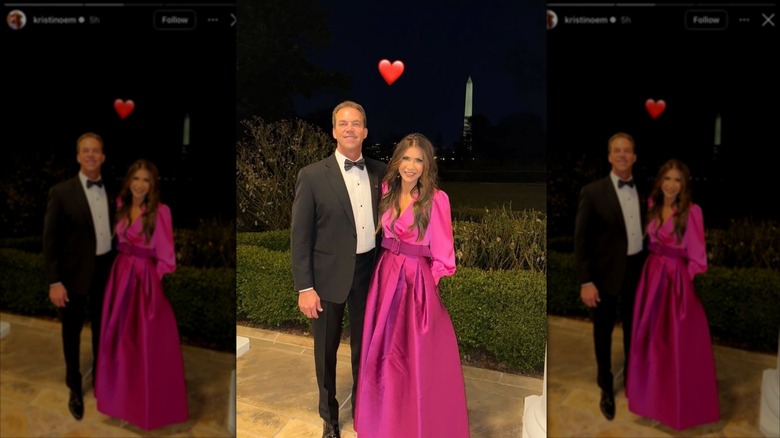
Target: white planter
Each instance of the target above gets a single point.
(5, 328)
(535, 410)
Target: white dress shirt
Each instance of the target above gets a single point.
(359, 188)
(629, 204)
(98, 206)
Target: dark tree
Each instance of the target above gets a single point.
(273, 41)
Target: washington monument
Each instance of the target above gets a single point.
(467, 112)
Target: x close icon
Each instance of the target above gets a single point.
(768, 19)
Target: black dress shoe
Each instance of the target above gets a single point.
(76, 405)
(330, 430)
(607, 404)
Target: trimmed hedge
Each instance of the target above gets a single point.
(278, 240)
(23, 287)
(496, 313)
(264, 288)
(501, 313)
(563, 296)
(28, 244)
(203, 299)
(742, 305)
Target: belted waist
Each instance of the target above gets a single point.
(668, 251)
(396, 246)
(136, 251)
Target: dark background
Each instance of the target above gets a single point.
(601, 75)
(62, 80)
(300, 59)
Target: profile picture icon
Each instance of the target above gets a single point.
(16, 19)
(552, 19)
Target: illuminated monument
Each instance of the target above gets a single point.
(467, 115)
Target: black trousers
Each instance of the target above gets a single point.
(604, 317)
(73, 316)
(326, 331)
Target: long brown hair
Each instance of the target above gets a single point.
(151, 202)
(682, 203)
(425, 188)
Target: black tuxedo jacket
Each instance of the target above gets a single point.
(600, 242)
(323, 237)
(69, 236)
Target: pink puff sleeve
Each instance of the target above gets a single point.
(442, 241)
(696, 246)
(163, 242)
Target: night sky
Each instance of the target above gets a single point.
(583, 86)
(65, 80)
(500, 44)
(601, 76)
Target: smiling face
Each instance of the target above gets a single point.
(349, 130)
(411, 166)
(90, 156)
(622, 156)
(671, 185)
(140, 184)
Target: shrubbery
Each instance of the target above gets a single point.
(23, 287)
(501, 239)
(202, 290)
(267, 163)
(742, 304)
(740, 291)
(212, 244)
(500, 314)
(209, 245)
(496, 239)
(264, 288)
(743, 244)
(277, 240)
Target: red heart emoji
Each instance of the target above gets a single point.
(391, 72)
(655, 108)
(123, 108)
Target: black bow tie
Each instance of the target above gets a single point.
(622, 183)
(91, 183)
(361, 163)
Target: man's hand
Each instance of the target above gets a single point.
(309, 303)
(590, 295)
(58, 295)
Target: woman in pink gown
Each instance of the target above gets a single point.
(140, 375)
(410, 382)
(671, 375)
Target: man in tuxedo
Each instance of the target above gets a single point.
(77, 249)
(333, 244)
(608, 246)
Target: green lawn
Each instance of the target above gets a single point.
(474, 194)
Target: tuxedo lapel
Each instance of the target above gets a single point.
(111, 207)
(79, 199)
(336, 180)
(374, 178)
(611, 198)
(642, 209)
